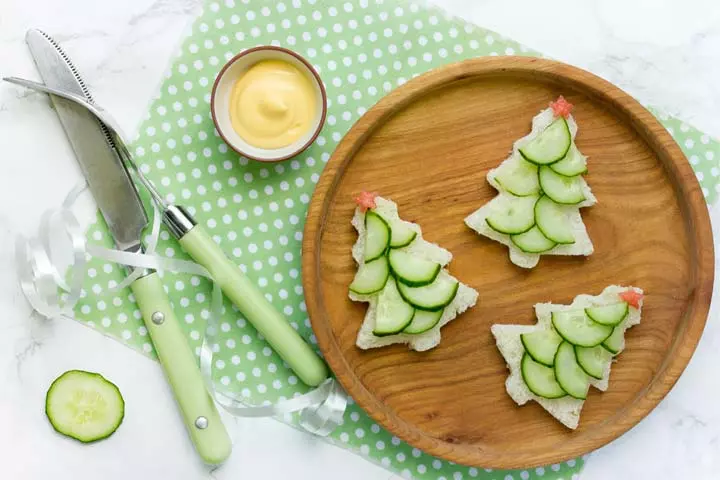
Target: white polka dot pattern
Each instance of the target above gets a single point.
(255, 212)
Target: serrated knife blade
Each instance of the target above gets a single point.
(118, 200)
(109, 182)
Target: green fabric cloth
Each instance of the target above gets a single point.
(256, 212)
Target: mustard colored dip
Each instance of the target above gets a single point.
(272, 104)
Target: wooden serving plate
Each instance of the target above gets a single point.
(428, 146)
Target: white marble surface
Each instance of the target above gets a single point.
(664, 52)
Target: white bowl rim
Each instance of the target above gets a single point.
(313, 73)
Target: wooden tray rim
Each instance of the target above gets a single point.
(650, 130)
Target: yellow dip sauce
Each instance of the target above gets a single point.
(272, 105)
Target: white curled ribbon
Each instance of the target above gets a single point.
(321, 410)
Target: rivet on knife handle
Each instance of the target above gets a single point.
(199, 412)
(306, 364)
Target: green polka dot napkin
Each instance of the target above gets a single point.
(362, 49)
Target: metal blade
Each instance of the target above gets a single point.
(108, 179)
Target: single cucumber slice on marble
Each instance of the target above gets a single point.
(84, 406)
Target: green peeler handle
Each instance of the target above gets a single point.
(306, 364)
(198, 410)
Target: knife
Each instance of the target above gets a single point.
(195, 240)
(120, 205)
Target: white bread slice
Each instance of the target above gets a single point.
(476, 220)
(566, 409)
(465, 298)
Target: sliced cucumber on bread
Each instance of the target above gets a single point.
(553, 222)
(568, 373)
(513, 215)
(615, 343)
(423, 321)
(608, 314)
(573, 164)
(401, 235)
(540, 379)
(393, 313)
(532, 241)
(561, 189)
(377, 236)
(518, 177)
(371, 277)
(84, 406)
(403, 278)
(543, 364)
(432, 297)
(550, 146)
(542, 345)
(577, 328)
(411, 269)
(593, 360)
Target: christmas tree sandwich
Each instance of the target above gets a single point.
(540, 192)
(570, 348)
(410, 293)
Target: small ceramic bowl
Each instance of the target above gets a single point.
(220, 102)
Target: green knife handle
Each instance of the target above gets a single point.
(306, 364)
(209, 436)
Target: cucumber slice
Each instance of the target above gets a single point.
(574, 163)
(411, 269)
(542, 345)
(593, 360)
(393, 313)
(377, 238)
(532, 241)
(561, 189)
(568, 373)
(513, 215)
(615, 343)
(553, 222)
(401, 235)
(540, 379)
(435, 296)
(608, 314)
(84, 406)
(371, 277)
(575, 327)
(518, 177)
(550, 146)
(423, 321)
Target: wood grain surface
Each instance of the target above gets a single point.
(428, 146)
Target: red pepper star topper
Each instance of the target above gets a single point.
(366, 200)
(561, 107)
(632, 297)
